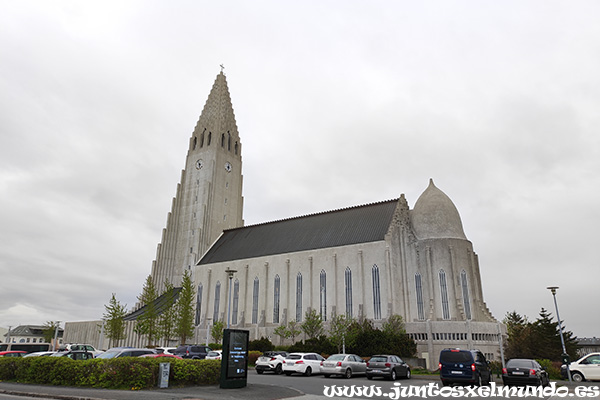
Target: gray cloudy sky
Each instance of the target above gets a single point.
(338, 103)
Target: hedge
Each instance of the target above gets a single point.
(118, 373)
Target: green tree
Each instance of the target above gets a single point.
(184, 320)
(49, 330)
(312, 325)
(147, 323)
(166, 320)
(394, 324)
(114, 323)
(519, 336)
(282, 332)
(216, 331)
(293, 330)
(339, 329)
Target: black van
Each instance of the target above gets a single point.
(464, 367)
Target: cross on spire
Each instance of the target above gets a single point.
(222, 68)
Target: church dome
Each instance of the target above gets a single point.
(435, 216)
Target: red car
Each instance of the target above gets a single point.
(12, 353)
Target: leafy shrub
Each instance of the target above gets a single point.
(263, 344)
(253, 356)
(552, 367)
(119, 373)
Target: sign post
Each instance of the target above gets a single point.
(234, 364)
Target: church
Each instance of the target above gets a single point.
(366, 261)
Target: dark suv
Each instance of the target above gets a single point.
(464, 367)
(195, 352)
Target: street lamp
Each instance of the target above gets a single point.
(230, 273)
(562, 340)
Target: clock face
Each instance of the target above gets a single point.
(199, 164)
(228, 167)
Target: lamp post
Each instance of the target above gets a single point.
(562, 340)
(230, 273)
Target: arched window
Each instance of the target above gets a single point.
(198, 305)
(376, 292)
(444, 292)
(276, 299)
(348, 283)
(465, 292)
(299, 297)
(255, 301)
(217, 301)
(419, 290)
(323, 295)
(236, 300)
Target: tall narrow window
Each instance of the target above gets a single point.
(376, 292)
(195, 143)
(217, 301)
(444, 292)
(419, 290)
(255, 301)
(348, 281)
(209, 138)
(276, 299)
(323, 295)
(299, 297)
(236, 148)
(465, 292)
(228, 141)
(198, 305)
(236, 300)
(222, 140)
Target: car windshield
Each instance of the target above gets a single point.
(108, 354)
(519, 364)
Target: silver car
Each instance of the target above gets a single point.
(345, 365)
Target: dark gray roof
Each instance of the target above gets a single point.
(361, 224)
(160, 304)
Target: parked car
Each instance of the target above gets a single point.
(165, 350)
(40, 354)
(74, 355)
(587, 368)
(195, 352)
(387, 366)
(12, 353)
(271, 361)
(302, 363)
(125, 352)
(77, 346)
(214, 355)
(520, 371)
(345, 365)
(161, 355)
(464, 367)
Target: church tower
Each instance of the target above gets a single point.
(209, 195)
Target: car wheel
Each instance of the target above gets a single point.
(369, 377)
(479, 381)
(393, 375)
(278, 369)
(348, 373)
(577, 377)
(288, 373)
(408, 373)
(326, 375)
(308, 371)
(259, 371)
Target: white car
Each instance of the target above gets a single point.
(214, 355)
(271, 361)
(587, 368)
(302, 363)
(165, 350)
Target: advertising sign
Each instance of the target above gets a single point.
(234, 367)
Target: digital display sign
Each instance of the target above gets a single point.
(237, 354)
